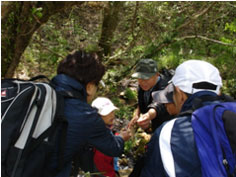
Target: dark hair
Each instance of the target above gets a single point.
(83, 66)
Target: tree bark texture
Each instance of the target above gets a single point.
(20, 19)
(110, 22)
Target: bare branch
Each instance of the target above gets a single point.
(231, 4)
(46, 48)
(207, 39)
(57, 54)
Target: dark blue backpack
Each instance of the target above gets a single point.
(214, 129)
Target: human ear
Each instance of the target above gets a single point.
(89, 88)
(179, 98)
(181, 94)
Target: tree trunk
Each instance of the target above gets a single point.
(20, 19)
(110, 22)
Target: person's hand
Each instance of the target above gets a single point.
(133, 121)
(144, 121)
(125, 134)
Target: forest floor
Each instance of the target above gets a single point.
(125, 172)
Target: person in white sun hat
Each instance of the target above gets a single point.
(106, 109)
(172, 150)
(105, 164)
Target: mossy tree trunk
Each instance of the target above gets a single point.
(110, 22)
(20, 19)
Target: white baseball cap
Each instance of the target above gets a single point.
(195, 75)
(103, 105)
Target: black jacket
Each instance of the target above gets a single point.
(162, 114)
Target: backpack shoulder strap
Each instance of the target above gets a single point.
(200, 102)
(229, 119)
(63, 121)
(226, 98)
(71, 94)
(39, 77)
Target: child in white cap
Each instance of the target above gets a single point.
(106, 109)
(105, 164)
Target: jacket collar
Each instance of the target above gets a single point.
(66, 83)
(189, 103)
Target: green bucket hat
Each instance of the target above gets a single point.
(145, 69)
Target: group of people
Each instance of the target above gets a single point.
(171, 150)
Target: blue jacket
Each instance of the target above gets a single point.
(172, 150)
(85, 127)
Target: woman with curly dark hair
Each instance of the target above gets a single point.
(80, 74)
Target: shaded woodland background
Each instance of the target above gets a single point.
(36, 35)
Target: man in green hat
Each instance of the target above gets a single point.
(149, 80)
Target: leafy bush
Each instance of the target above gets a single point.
(129, 94)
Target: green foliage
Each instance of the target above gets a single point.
(37, 11)
(129, 94)
(146, 29)
(62, 34)
(113, 91)
(179, 21)
(138, 49)
(168, 61)
(128, 146)
(125, 111)
(230, 87)
(231, 26)
(136, 145)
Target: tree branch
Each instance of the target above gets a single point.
(231, 4)
(46, 48)
(174, 33)
(55, 53)
(207, 39)
(196, 15)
